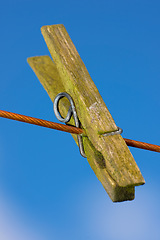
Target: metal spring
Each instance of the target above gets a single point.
(72, 110)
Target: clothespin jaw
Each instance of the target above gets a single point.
(108, 156)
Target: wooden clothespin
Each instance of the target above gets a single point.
(108, 156)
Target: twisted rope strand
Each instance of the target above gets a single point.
(142, 145)
(70, 129)
(40, 122)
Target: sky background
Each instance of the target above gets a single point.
(47, 190)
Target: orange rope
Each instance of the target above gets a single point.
(142, 145)
(40, 122)
(70, 129)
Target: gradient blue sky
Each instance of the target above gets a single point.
(47, 190)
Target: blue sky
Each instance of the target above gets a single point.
(47, 190)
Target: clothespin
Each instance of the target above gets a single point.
(108, 155)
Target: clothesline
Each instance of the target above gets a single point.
(71, 129)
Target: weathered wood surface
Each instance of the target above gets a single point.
(47, 73)
(109, 156)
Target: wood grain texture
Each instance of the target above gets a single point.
(46, 72)
(109, 156)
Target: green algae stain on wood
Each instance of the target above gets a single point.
(109, 157)
(47, 73)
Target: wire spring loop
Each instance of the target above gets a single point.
(118, 131)
(71, 111)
